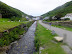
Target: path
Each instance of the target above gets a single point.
(26, 44)
(60, 32)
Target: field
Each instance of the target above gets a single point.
(4, 24)
(44, 39)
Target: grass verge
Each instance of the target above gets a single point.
(63, 27)
(43, 39)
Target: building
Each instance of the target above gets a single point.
(22, 15)
(46, 18)
(69, 15)
(0, 15)
(54, 18)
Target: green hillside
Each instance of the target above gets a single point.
(9, 12)
(60, 11)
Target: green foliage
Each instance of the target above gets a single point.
(67, 19)
(58, 16)
(1, 42)
(29, 24)
(15, 19)
(8, 12)
(59, 24)
(10, 37)
(36, 43)
(50, 18)
(60, 11)
(24, 19)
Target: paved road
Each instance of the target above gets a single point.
(26, 44)
(60, 32)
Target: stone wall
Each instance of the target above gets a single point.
(66, 24)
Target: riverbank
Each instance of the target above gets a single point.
(44, 42)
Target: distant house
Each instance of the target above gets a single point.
(69, 15)
(54, 18)
(0, 15)
(46, 18)
(22, 15)
(28, 18)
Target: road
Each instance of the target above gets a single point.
(26, 44)
(60, 32)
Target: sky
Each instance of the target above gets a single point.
(35, 7)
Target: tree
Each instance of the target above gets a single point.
(58, 16)
(50, 18)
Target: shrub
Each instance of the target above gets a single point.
(59, 24)
(67, 19)
(10, 37)
(37, 43)
(1, 42)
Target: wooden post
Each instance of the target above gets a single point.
(0, 15)
(53, 32)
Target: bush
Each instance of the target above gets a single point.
(1, 42)
(10, 37)
(15, 18)
(37, 43)
(59, 24)
(67, 19)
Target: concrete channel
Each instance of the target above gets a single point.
(26, 44)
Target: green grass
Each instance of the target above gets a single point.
(63, 27)
(8, 25)
(3, 19)
(43, 38)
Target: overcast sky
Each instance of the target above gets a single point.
(35, 7)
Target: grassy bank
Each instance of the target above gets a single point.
(8, 25)
(44, 39)
(11, 37)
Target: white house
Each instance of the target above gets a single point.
(69, 15)
(28, 18)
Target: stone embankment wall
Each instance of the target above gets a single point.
(25, 26)
(66, 24)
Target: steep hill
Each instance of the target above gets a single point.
(60, 11)
(8, 11)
